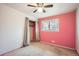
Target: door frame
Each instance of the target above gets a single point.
(26, 40)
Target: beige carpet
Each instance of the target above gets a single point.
(39, 49)
(29, 51)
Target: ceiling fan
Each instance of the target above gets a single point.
(40, 7)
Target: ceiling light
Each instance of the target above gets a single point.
(40, 9)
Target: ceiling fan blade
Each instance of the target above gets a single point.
(31, 5)
(34, 11)
(44, 11)
(48, 6)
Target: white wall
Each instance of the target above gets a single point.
(77, 30)
(11, 29)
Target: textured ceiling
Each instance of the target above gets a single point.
(57, 9)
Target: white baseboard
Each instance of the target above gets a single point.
(58, 45)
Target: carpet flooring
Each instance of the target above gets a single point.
(40, 49)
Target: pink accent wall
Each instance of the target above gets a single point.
(66, 35)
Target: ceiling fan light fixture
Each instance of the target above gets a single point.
(40, 9)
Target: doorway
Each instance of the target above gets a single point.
(32, 31)
(29, 32)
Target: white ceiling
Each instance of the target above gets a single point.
(57, 9)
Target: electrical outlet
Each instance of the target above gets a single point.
(53, 41)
